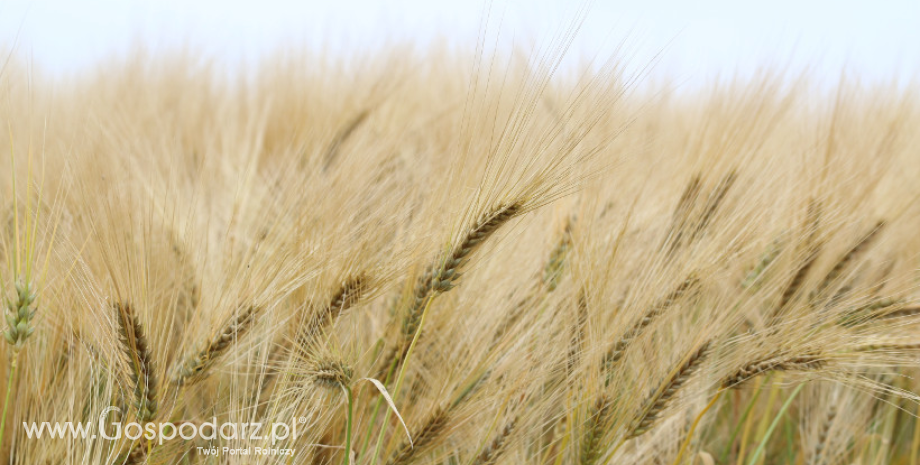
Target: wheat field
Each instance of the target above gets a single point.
(446, 257)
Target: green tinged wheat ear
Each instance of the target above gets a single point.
(755, 274)
(442, 276)
(195, 366)
(803, 362)
(143, 371)
(658, 400)
(618, 349)
(19, 316)
(595, 428)
(332, 374)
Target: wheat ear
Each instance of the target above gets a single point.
(618, 349)
(332, 374)
(849, 257)
(444, 274)
(134, 345)
(346, 296)
(597, 424)
(795, 284)
(552, 272)
(195, 366)
(342, 136)
(659, 399)
(19, 317)
(803, 362)
(713, 202)
(823, 433)
(682, 213)
(433, 426)
(494, 450)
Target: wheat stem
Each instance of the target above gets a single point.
(6, 401)
(766, 437)
(696, 422)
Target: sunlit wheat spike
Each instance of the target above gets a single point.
(143, 376)
(195, 367)
(658, 400)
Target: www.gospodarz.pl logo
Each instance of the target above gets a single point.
(272, 433)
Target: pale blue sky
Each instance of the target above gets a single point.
(878, 39)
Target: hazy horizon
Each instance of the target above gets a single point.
(695, 43)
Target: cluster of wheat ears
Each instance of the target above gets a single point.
(441, 258)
